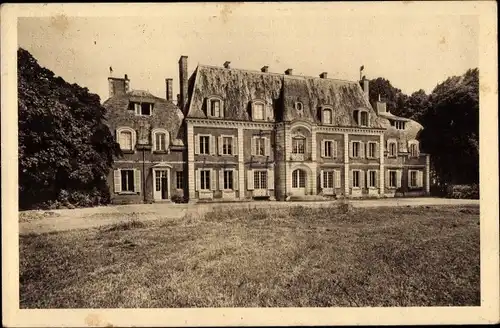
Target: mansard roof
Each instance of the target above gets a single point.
(239, 87)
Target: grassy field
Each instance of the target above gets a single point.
(294, 257)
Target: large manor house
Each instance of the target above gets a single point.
(238, 135)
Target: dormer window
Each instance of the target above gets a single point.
(214, 107)
(414, 148)
(126, 138)
(142, 109)
(392, 147)
(399, 125)
(160, 140)
(361, 117)
(326, 115)
(258, 110)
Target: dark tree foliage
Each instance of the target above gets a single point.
(65, 149)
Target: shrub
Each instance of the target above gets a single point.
(178, 198)
(463, 191)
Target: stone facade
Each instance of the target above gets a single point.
(243, 135)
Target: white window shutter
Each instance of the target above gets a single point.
(137, 180)
(198, 179)
(361, 179)
(197, 144)
(322, 179)
(387, 177)
(377, 177)
(323, 146)
(117, 180)
(398, 178)
(270, 179)
(420, 179)
(235, 146)
(236, 181)
(350, 178)
(338, 183)
(137, 109)
(361, 149)
(250, 180)
(252, 144)
(267, 148)
(335, 148)
(221, 179)
(377, 150)
(219, 141)
(213, 180)
(351, 149)
(212, 145)
(409, 178)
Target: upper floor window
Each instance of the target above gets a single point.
(361, 117)
(205, 145)
(356, 149)
(214, 107)
(260, 146)
(298, 145)
(299, 106)
(372, 150)
(226, 145)
(160, 140)
(142, 109)
(327, 116)
(329, 148)
(258, 111)
(393, 148)
(414, 148)
(126, 138)
(399, 125)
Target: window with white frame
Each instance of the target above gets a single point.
(328, 179)
(413, 179)
(142, 108)
(260, 179)
(298, 145)
(126, 138)
(228, 179)
(327, 116)
(298, 179)
(372, 149)
(393, 148)
(356, 179)
(214, 107)
(399, 125)
(299, 106)
(328, 148)
(259, 146)
(179, 180)
(205, 145)
(393, 179)
(127, 180)
(355, 149)
(258, 111)
(205, 179)
(372, 179)
(227, 145)
(363, 118)
(160, 140)
(414, 151)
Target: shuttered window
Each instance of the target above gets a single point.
(128, 180)
(205, 145)
(355, 151)
(205, 179)
(328, 179)
(356, 179)
(260, 179)
(227, 145)
(228, 179)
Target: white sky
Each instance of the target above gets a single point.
(414, 51)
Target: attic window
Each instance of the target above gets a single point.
(399, 125)
(326, 115)
(214, 107)
(142, 109)
(299, 106)
(361, 117)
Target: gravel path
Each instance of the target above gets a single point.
(66, 219)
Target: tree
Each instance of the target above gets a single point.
(65, 149)
(393, 97)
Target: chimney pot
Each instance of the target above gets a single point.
(289, 71)
(265, 69)
(323, 75)
(183, 83)
(226, 64)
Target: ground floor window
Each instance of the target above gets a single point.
(372, 179)
(298, 179)
(179, 180)
(127, 177)
(328, 177)
(228, 179)
(392, 179)
(205, 179)
(356, 183)
(159, 175)
(260, 179)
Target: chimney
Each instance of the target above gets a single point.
(264, 69)
(381, 106)
(366, 86)
(183, 82)
(226, 64)
(118, 86)
(323, 75)
(289, 71)
(168, 87)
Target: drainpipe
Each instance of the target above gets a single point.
(143, 172)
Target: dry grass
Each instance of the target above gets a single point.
(300, 257)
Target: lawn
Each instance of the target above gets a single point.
(289, 257)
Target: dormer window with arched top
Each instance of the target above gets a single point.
(413, 148)
(215, 107)
(327, 115)
(258, 110)
(361, 117)
(160, 140)
(126, 138)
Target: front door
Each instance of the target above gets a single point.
(161, 190)
(299, 182)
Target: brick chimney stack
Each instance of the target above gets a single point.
(168, 89)
(118, 86)
(289, 71)
(366, 88)
(183, 82)
(264, 69)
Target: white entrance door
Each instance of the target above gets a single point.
(161, 184)
(299, 182)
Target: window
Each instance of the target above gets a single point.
(328, 179)
(414, 149)
(298, 179)
(227, 145)
(356, 183)
(393, 151)
(160, 140)
(142, 109)
(215, 108)
(299, 106)
(413, 179)
(258, 111)
(228, 179)
(159, 175)
(260, 179)
(372, 148)
(399, 125)
(298, 145)
(392, 179)
(372, 179)
(328, 148)
(128, 183)
(355, 149)
(205, 145)
(260, 146)
(179, 180)
(205, 179)
(125, 140)
(327, 116)
(356, 116)
(364, 118)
